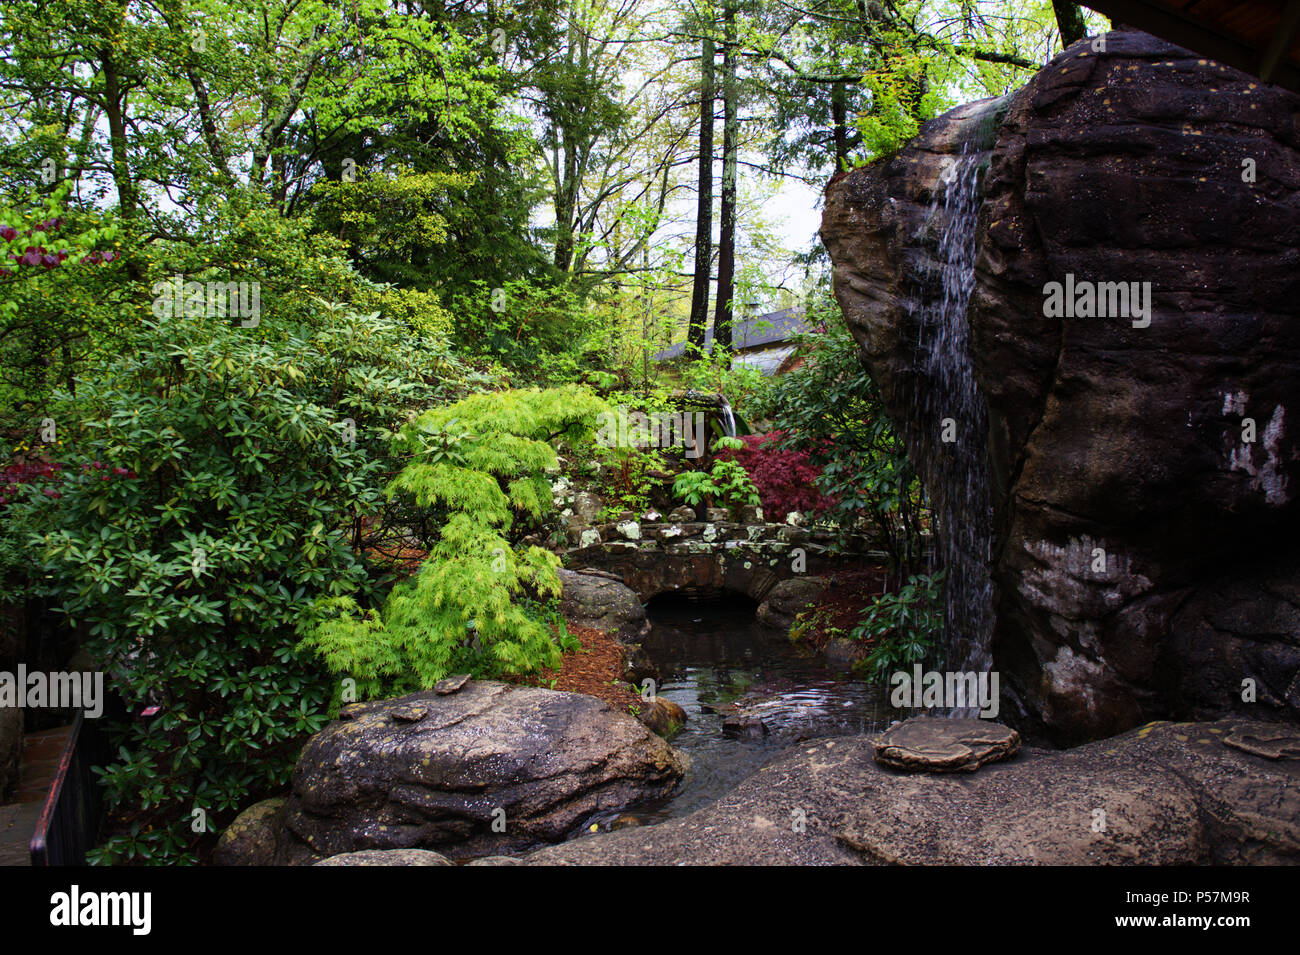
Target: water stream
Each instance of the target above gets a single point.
(717, 662)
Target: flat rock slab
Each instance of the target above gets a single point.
(451, 684)
(1274, 742)
(934, 745)
(1165, 794)
(388, 857)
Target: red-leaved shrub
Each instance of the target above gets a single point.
(785, 479)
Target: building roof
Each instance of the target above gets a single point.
(758, 331)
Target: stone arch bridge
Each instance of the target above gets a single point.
(707, 558)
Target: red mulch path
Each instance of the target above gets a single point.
(596, 669)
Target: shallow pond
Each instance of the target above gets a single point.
(718, 663)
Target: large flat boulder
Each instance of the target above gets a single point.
(1166, 794)
(491, 768)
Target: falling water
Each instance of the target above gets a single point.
(951, 415)
(728, 418)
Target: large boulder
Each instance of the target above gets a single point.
(488, 769)
(787, 599)
(600, 601)
(1166, 794)
(1121, 493)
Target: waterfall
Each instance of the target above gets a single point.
(720, 402)
(728, 417)
(950, 416)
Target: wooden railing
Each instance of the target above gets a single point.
(70, 818)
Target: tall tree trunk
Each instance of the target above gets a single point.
(566, 201)
(208, 124)
(727, 215)
(175, 15)
(704, 205)
(114, 112)
(128, 197)
(1069, 21)
(839, 125)
(274, 124)
(566, 139)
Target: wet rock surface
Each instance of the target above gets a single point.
(788, 598)
(535, 763)
(742, 726)
(601, 602)
(388, 857)
(254, 837)
(1167, 793)
(662, 716)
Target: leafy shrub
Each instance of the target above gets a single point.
(379, 373)
(726, 484)
(205, 502)
(537, 330)
(472, 606)
(831, 409)
(20, 482)
(904, 627)
(22, 477)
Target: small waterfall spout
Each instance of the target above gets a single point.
(728, 418)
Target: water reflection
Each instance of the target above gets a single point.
(748, 693)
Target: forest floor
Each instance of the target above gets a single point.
(596, 670)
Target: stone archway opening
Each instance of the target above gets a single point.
(699, 602)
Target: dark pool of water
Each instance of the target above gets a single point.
(716, 661)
